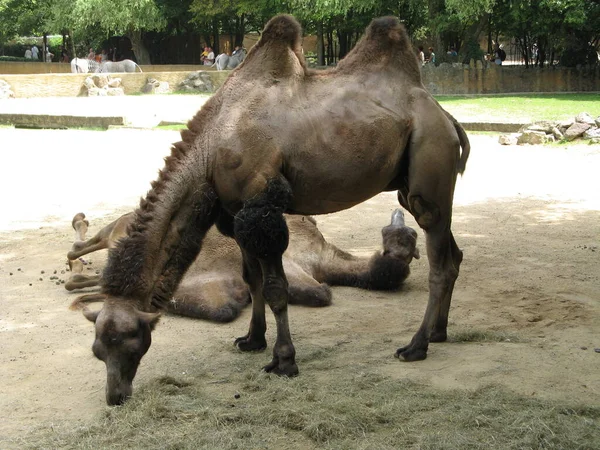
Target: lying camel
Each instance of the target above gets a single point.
(298, 142)
(213, 288)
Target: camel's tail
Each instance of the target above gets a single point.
(466, 147)
(463, 139)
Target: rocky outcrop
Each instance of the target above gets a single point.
(153, 86)
(583, 126)
(197, 82)
(101, 85)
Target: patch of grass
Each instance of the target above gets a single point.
(349, 409)
(522, 108)
(173, 127)
(472, 335)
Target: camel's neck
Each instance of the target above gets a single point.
(164, 238)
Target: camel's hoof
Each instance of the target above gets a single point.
(289, 369)
(246, 344)
(438, 336)
(410, 353)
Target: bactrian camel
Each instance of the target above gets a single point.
(213, 287)
(279, 138)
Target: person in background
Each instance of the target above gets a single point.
(497, 55)
(431, 59)
(28, 53)
(210, 57)
(64, 55)
(421, 55)
(91, 54)
(35, 52)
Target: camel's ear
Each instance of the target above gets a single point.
(150, 318)
(90, 315)
(416, 254)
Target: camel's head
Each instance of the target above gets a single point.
(400, 241)
(122, 339)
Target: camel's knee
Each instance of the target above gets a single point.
(275, 293)
(426, 213)
(260, 227)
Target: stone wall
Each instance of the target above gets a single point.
(446, 79)
(70, 84)
(453, 79)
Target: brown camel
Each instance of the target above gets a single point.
(213, 288)
(296, 141)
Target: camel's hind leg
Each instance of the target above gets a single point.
(262, 233)
(432, 176)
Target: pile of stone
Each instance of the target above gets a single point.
(583, 126)
(153, 86)
(101, 85)
(5, 90)
(197, 82)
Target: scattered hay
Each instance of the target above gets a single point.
(349, 409)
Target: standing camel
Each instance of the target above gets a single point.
(297, 142)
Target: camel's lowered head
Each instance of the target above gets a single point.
(123, 336)
(400, 241)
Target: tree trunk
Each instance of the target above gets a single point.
(45, 47)
(215, 34)
(320, 45)
(140, 51)
(240, 31)
(71, 44)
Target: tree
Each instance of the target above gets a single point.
(130, 19)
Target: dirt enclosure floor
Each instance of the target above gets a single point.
(527, 218)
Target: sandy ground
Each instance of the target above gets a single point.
(527, 218)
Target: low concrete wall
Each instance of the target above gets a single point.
(70, 84)
(40, 68)
(453, 79)
(446, 79)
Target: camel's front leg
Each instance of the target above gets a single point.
(262, 233)
(255, 339)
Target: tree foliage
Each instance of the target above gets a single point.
(544, 30)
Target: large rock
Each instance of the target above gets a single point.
(197, 82)
(576, 130)
(507, 139)
(585, 118)
(543, 126)
(102, 85)
(592, 133)
(100, 80)
(534, 137)
(557, 134)
(153, 86)
(5, 90)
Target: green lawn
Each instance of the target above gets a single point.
(520, 108)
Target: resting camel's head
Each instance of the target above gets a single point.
(400, 241)
(123, 336)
